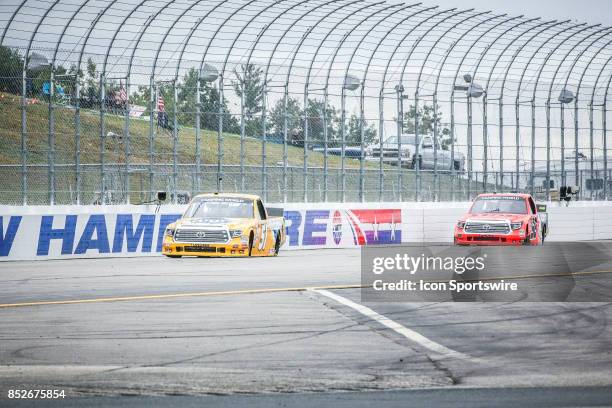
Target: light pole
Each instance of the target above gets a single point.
(208, 74)
(351, 83)
(473, 90)
(565, 97)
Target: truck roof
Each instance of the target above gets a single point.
(233, 195)
(523, 195)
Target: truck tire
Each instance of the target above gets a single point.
(420, 163)
(527, 241)
(277, 245)
(251, 238)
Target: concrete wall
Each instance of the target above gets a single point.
(37, 233)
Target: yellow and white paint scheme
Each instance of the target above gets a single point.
(224, 225)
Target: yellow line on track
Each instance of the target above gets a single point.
(174, 295)
(256, 291)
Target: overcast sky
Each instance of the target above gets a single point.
(590, 11)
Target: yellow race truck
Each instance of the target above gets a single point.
(221, 224)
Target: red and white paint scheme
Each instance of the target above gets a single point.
(502, 219)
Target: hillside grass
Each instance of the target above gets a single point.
(38, 145)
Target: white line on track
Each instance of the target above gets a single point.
(393, 325)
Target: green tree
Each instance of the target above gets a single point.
(11, 65)
(250, 82)
(186, 97)
(354, 131)
(92, 84)
(316, 126)
(427, 119)
(276, 118)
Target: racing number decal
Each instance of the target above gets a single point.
(263, 236)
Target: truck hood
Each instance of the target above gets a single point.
(495, 217)
(232, 223)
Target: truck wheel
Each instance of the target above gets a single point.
(420, 163)
(251, 237)
(277, 245)
(526, 241)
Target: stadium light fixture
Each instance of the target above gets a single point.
(37, 62)
(209, 73)
(566, 96)
(351, 83)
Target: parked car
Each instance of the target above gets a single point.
(430, 156)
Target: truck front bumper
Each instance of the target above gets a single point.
(211, 250)
(514, 238)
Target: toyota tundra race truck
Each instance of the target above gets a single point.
(225, 225)
(502, 219)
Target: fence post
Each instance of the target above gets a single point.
(198, 158)
(264, 184)
(485, 144)
(517, 108)
(605, 148)
(126, 140)
(242, 132)
(436, 182)
(325, 145)
(591, 149)
(152, 107)
(417, 158)
(343, 143)
(77, 141)
(562, 133)
(533, 149)
(362, 147)
(400, 128)
(381, 135)
(220, 136)
(452, 132)
(102, 140)
(547, 150)
(469, 147)
(285, 152)
(305, 142)
(501, 144)
(24, 140)
(51, 152)
(174, 143)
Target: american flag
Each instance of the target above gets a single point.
(160, 104)
(122, 94)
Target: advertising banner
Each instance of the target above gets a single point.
(60, 232)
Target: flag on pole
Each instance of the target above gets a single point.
(160, 104)
(122, 94)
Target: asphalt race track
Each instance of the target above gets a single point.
(188, 328)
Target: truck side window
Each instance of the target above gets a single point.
(261, 209)
(532, 206)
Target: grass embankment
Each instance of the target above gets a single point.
(38, 146)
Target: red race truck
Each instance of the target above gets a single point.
(502, 219)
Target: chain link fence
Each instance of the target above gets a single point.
(336, 100)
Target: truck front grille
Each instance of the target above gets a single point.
(477, 227)
(203, 236)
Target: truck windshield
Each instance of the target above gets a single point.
(406, 140)
(220, 207)
(508, 205)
